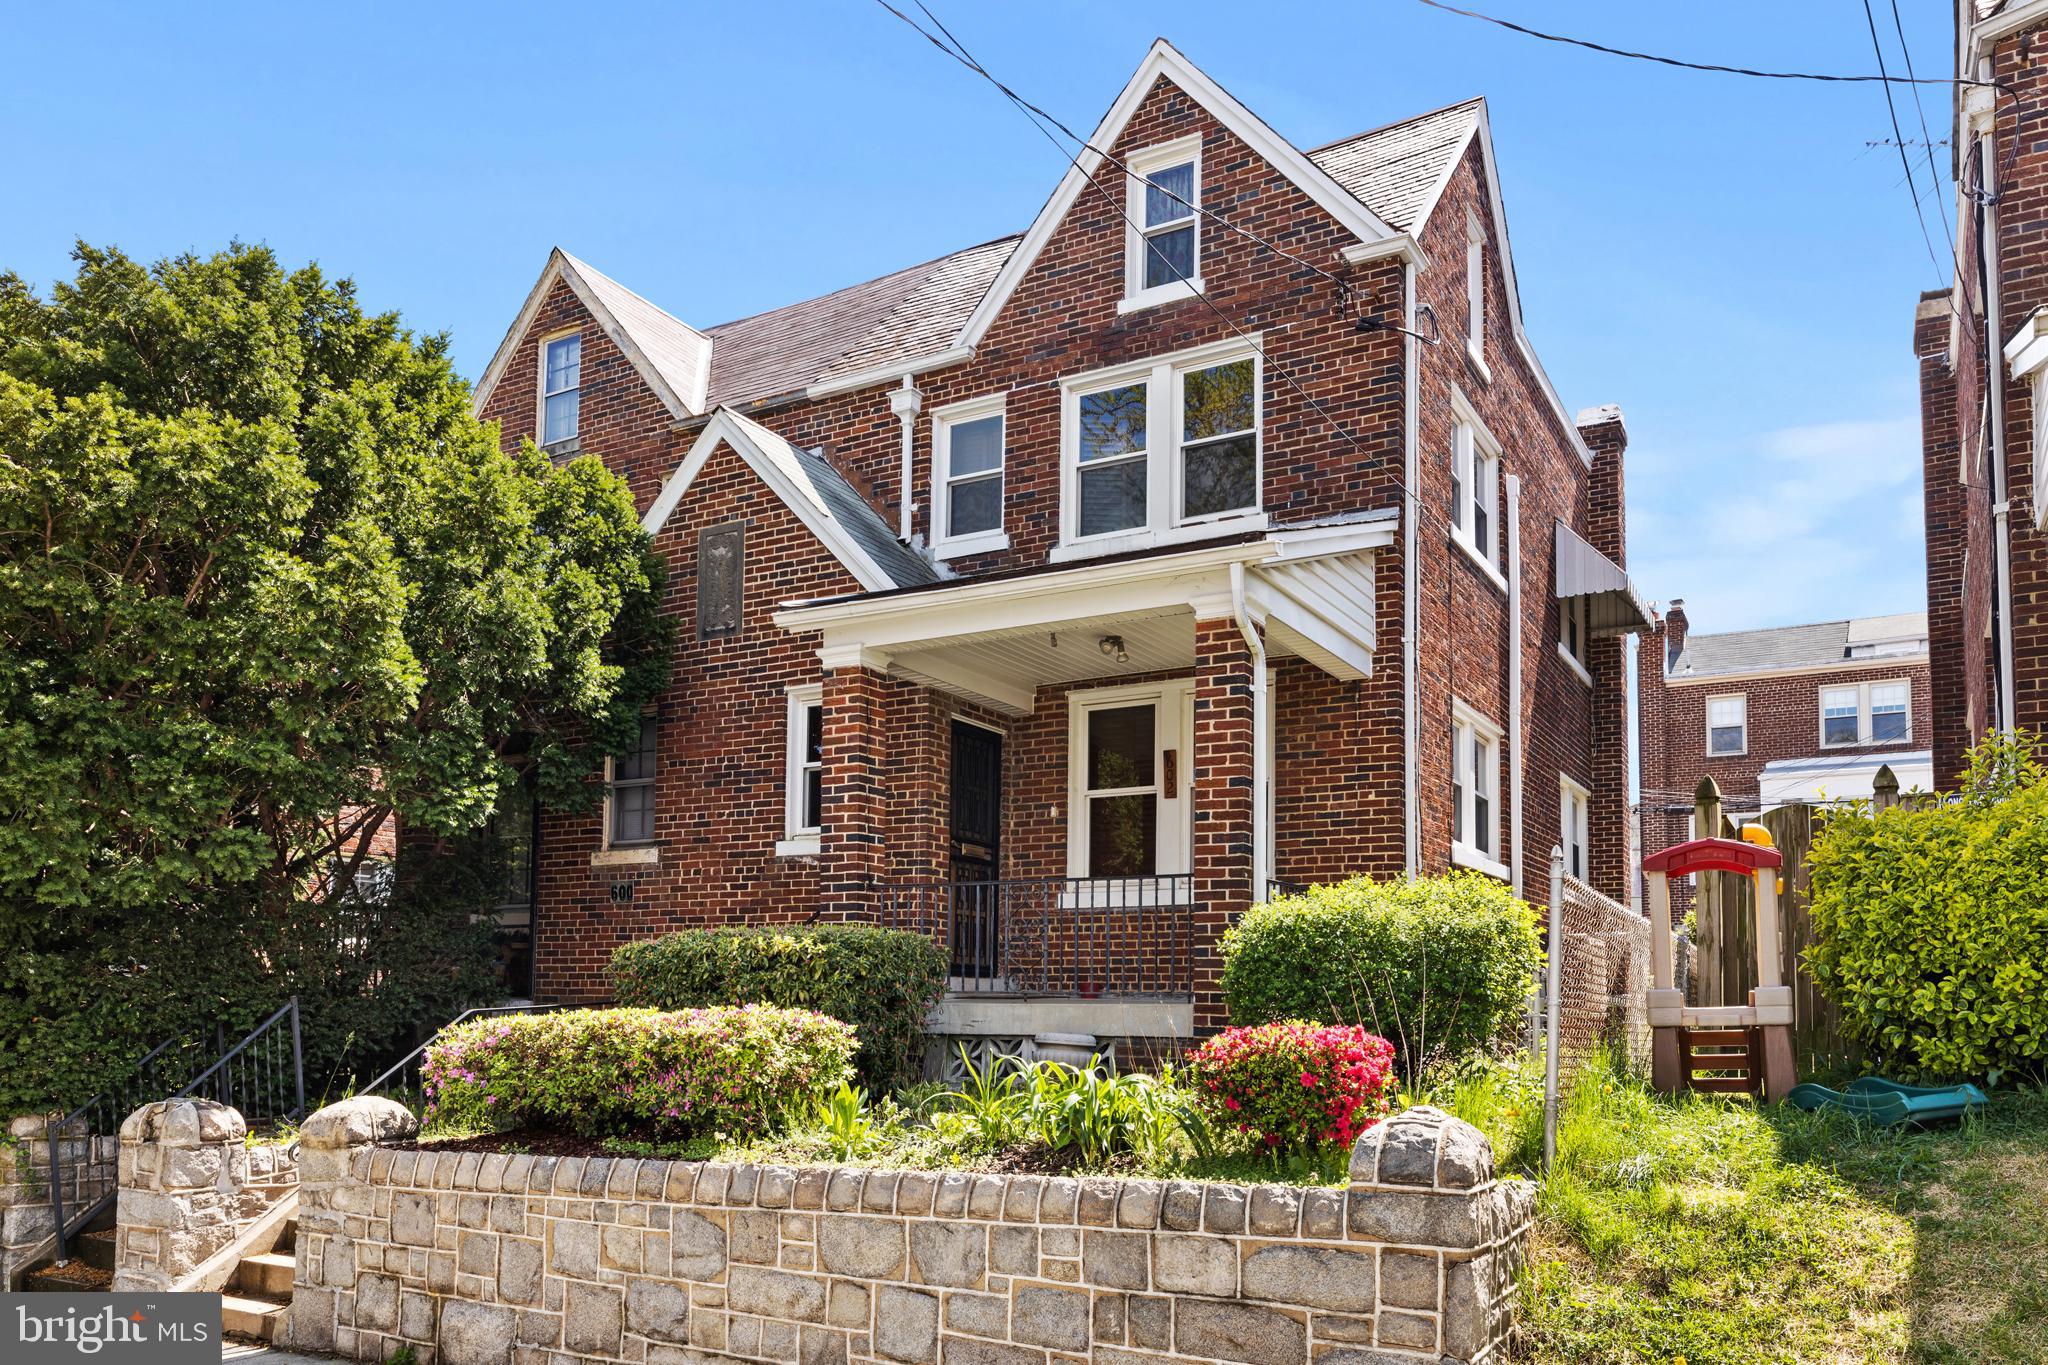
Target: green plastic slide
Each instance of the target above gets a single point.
(1887, 1103)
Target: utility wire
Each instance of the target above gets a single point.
(1899, 136)
(1926, 137)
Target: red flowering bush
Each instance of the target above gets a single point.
(1297, 1086)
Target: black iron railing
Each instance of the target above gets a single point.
(403, 1079)
(1076, 936)
(263, 1075)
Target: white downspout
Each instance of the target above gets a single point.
(1411, 580)
(1262, 737)
(905, 403)
(2001, 508)
(1514, 530)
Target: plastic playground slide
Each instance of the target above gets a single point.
(1886, 1102)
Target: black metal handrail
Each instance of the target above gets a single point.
(247, 1075)
(1076, 936)
(414, 1058)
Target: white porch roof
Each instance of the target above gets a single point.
(996, 640)
(1828, 779)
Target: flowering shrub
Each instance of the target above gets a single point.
(1296, 1086)
(740, 1071)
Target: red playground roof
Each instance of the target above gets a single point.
(1713, 855)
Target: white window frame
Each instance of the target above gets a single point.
(1164, 418)
(611, 853)
(1743, 699)
(943, 421)
(1866, 716)
(1173, 728)
(1472, 784)
(541, 394)
(1576, 611)
(1140, 166)
(1475, 478)
(800, 839)
(1475, 295)
(1574, 821)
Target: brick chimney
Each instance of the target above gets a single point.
(1606, 435)
(1674, 631)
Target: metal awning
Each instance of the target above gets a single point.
(1613, 608)
(1829, 779)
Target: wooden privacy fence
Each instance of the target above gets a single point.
(1724, 911)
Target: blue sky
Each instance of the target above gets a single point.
(1725, 258)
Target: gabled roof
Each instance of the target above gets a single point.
(1164, 62)
(1398, 170)
(1824, 644)
(672, 356)
(838, 516)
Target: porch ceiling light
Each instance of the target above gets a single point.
(1113, 646)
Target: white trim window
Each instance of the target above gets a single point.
(1475, 791)
(1728, 725)
(1155, 452)
(1475, 291)
(967, 477)
(1575, 632)
(1129, 776)
(1163, 241)
(1475, 489)
(1574, 804)
(803, 772)
(561, 389)
(1866, 713)
(629, 781)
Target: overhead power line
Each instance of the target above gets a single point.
(1899, 136)
(1926, 137)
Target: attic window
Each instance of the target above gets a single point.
(561, 381)
(1164, 238)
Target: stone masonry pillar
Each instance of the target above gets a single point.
(1224, 798)
(334, 1213)
(853, 848)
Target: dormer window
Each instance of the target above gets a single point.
(561, 380)
(1164, 240)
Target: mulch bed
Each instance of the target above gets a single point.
(75, 1275)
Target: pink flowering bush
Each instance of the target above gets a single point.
(1296, 1086)
(739, 1071)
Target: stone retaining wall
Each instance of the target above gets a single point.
(26, 1220)
(190, 1187)
(477, 1259)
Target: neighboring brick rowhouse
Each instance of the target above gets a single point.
(1612, 855)
(1958, 581)
(493, 1258)
(1332, 432)
(190, 1185)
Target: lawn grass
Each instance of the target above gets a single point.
(1705, 1230)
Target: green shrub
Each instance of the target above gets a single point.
(740, 1071)
(1439, 966)
(881, 981)
(1931, 926)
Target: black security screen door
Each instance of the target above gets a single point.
(974, 846)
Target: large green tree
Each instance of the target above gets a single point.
(265, 581)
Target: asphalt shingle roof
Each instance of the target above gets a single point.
(1392, 169)
(1796, 647)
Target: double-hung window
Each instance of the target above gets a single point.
(1865, 713)
(1157, 450)
(1574, 802)
(561, 381)
(967, 477)
(803, 773)
(1129, 782)
(1475, 292)
(1475, 791)
(1728, 725)
(1475, 490)
(1574, 616)
(629, 790)
(1164, 240)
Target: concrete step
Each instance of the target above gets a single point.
(250, 1317)
(96, 1249)
(267, 1275)
(288, 1237)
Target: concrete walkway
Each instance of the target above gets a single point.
(243, 1354)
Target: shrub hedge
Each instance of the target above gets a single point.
(882, 981)
(1931, 926)
(1442, 966)
(1296, 1086)
(741, 1072)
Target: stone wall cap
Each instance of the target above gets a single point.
(184, 1123)
(1423, 1148)
(354, 1122)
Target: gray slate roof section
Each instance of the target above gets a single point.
(1393, 169)
(905, 567)
(1791, 648)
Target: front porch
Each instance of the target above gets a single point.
(1097, 801)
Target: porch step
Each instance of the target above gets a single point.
(95, 1248)
(267, 1275)
(250, 1317)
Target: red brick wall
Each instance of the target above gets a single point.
(1957, 518)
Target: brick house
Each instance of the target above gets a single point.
(1791, 714)
(1059, 596)
(1982, 348)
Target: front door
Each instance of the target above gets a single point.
(974, 846)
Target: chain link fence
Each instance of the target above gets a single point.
(1596, 989)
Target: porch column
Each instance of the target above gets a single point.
(852, 852)
(1225, 797)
